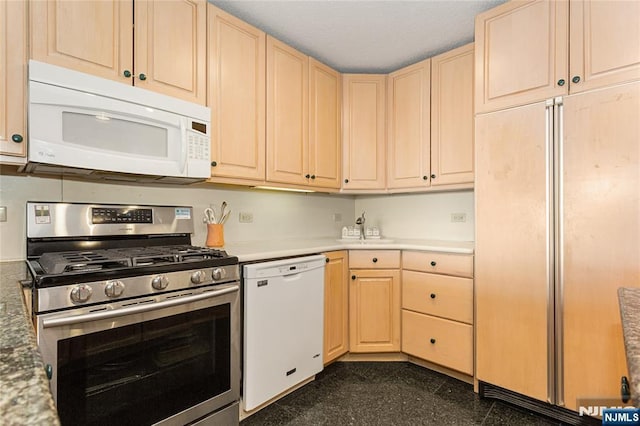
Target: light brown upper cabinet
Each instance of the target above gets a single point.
(13, 73)
(364, 131)
(300, 91)
(604, 43)
(543, 59)
(164, 52)
(287, 114)
(236, 95)
(325, 145)
(452, 117)
(408, 126)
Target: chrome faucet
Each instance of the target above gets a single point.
(360, 221)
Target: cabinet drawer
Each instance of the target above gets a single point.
(439, 295)
(437, 340)
(374, 259)
(439, 263)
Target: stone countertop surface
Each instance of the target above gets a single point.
(629, 299)
(271, 249)
(25, 398)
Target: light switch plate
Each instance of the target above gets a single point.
(245, 217)
(3, 213)
(458, 217)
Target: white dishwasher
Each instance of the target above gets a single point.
(283, 326)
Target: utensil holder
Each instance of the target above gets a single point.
(215, 235)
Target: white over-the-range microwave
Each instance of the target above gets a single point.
(80, 124)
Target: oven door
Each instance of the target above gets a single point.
(170, 362)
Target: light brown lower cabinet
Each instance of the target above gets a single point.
(437, 308)
(374, 303)
(438, 340)
(336, 305)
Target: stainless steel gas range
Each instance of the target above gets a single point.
(136, 326)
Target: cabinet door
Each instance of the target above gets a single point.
(374, 310)
(521, 53)
(604, 43)
(336, 306)
(409, 103)
(452, 116)
(601, 234)
(94, 37)
(324, 125)
(170, 47)
(512, 266)
(364, 131)
(13, 72)
(236, 96)
(287, 114)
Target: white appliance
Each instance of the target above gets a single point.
(94, 127)
(283, 326)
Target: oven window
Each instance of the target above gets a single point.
(143, 373)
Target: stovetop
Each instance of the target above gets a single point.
(70, 267)
(100, 260)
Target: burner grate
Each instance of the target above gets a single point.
(131, 257)
(79, 261)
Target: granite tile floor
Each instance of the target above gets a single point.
(389, 393)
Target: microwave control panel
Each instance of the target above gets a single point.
(198, 146)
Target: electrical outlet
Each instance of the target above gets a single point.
(245, 217)
(337, 217)
(458, 217)
(3, 213)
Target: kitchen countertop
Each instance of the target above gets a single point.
(629, 299)
(262, 250)
(25, 398)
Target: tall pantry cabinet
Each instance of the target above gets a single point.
(557, 200)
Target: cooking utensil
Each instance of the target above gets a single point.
(224, 206)
(224, 218)
(210, 215)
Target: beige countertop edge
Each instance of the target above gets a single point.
(262, 250)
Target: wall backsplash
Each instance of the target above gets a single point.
(278, 215)
(422, 216)
(281, 215)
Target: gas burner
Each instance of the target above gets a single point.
(82, 261)
(90, 261)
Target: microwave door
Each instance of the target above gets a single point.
(78, 129)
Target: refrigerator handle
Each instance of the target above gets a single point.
(550, 219)
(558, 138)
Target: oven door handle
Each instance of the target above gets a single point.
(94, 316)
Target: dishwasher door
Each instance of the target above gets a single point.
(283, 326)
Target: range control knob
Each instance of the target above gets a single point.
(218, 274)
(160, 282)
(114, 288)
(197, 277)
(80, 293)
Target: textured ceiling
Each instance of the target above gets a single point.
(364, 36)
